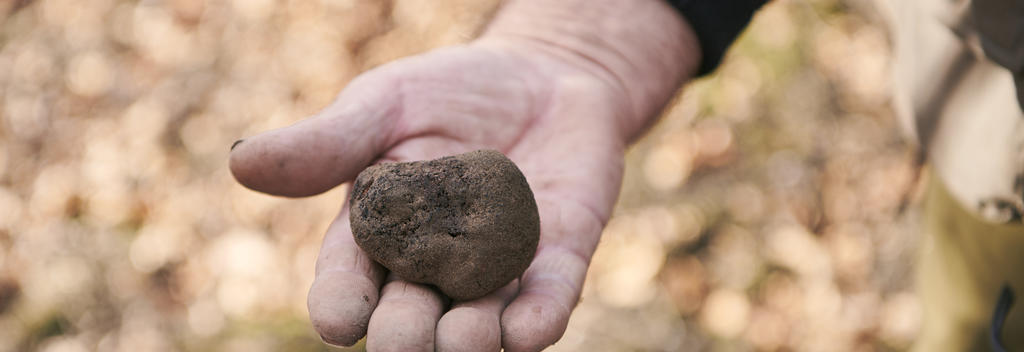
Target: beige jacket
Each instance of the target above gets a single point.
(956, 63)
(955, 68)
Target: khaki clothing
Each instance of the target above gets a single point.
(955, 68)
(964, 261)
(960, 106)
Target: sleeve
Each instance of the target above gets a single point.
(1000, 30)
(717, 23)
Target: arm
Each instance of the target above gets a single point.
(561, 87)
(644, 49)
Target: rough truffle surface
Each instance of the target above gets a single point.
(467, 224)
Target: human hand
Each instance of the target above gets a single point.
(563, 116)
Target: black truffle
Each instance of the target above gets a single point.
(467, 224)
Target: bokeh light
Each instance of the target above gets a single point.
(764, 211)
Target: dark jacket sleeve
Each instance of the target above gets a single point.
(717, 23)
(998, 24)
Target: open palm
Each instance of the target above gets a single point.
(560, 123)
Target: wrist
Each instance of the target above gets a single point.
(642, 49)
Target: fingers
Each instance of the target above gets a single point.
(475, 325)
(321, 152)
(550, 287)
(346, 287)
(406, 318)
(539, 315)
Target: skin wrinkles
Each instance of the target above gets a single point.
(557, 116)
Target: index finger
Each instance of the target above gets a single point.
(346, 288)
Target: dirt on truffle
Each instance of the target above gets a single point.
(467, 224)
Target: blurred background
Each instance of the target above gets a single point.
(771, 209)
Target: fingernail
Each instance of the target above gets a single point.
(326, 340)
(233, 145)
(333, 342)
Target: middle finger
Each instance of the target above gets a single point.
(405, 318)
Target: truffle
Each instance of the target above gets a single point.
(467, 224)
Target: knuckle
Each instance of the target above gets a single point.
(468, 330)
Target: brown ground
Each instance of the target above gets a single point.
(762, 212)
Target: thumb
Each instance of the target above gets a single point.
(318, 153)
